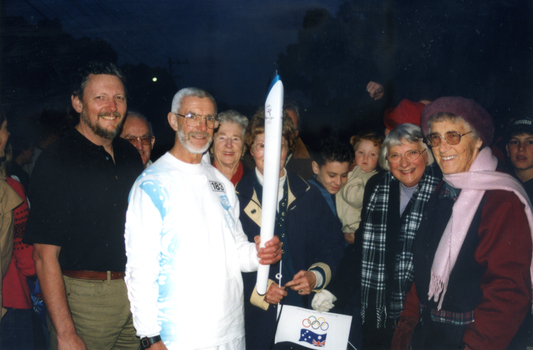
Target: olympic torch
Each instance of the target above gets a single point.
(273, 131)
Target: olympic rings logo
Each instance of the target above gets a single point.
(315, 323)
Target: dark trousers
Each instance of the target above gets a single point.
(17, 330)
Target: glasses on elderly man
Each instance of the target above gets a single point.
(410, 155)
(451, 137)
(193, 119)
(145, 140)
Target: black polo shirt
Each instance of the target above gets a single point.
(79, 198)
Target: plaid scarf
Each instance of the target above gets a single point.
(374, 239)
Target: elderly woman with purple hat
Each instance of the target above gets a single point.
(472, 252)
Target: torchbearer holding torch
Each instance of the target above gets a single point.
(297, 214)
(182, 225)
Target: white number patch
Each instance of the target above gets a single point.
(217, 186)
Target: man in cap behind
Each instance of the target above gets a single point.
(519, 146)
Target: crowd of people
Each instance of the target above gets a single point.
(422, 233)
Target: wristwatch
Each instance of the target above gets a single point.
(146, 342)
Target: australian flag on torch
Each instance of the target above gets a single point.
(318, 340)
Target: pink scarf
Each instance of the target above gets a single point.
(473, 183)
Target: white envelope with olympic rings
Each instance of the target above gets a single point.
(313, 329)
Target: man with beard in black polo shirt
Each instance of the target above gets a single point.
(79, 193)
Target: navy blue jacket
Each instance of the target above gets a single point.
(314, 235)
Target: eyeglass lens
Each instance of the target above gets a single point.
(144, 140)
(195, 120)
(411, 156)
(260, 148)
(451, 137)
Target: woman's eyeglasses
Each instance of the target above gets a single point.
(451, 137)
(410, 155)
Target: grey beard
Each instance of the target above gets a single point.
(181, 137)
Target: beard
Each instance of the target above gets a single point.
(98, 130)
(194, 150)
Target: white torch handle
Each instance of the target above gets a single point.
(271, 169)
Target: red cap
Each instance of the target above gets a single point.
(406, 112)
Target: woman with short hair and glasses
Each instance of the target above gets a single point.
(379, 268)
(472, 252)
(312, 238)
(391, 218)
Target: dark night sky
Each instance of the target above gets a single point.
(231, 46)
(480, 49)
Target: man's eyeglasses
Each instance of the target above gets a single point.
(451, 137)
(411, 156)
(145, 140)
(194, 120)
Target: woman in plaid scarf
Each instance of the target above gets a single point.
(392, 212)
(392, 217)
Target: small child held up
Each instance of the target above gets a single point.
(349, 199)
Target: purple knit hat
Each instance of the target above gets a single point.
(470, 111)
